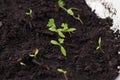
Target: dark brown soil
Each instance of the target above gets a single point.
(20, 35)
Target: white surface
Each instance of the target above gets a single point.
(107, 8)
(118, 78)
(101, 9)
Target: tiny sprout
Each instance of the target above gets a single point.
(59, 43)
(99, 45)
(64, 73)
(69, 10)
(23, 64)
(35, 53)
(64, 28)
(30, 13)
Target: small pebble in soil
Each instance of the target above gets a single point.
(116, 38)
(118, 52)
(118, 67)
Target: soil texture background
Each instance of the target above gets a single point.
(20, 35)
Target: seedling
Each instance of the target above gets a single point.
(59, 43)
(35, 53)
(23, 64)
(64, 73)
(64, 28)
(30, 13)
(99, 45)
(69, 10)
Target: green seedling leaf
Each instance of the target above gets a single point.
(62, 71)
(61, 3)
(60, 29)
(99, 41)
(63, 50)
(51, 23)
(61, 41)
(35, 53)
(54, 42)
(52, 29)
(29, 13)
(71, 30)
(70, 12)
(31, 55)
(66, 29)
(61, 34)
(97, 48)
(99, 45)
(23, 64)
(64, 25)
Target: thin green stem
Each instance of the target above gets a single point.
(102, 50)
(78, 18)
(64, 9)
(65, 75)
